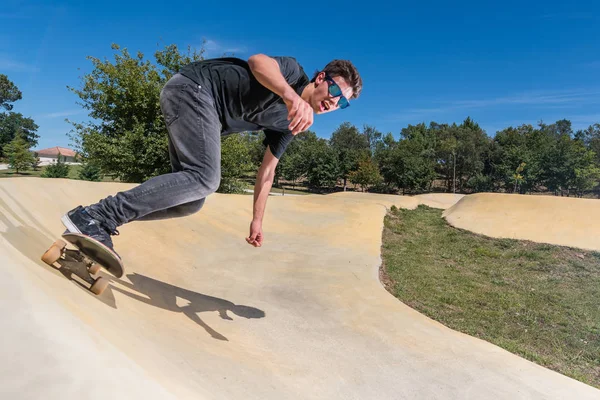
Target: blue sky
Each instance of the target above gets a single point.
(501, 64)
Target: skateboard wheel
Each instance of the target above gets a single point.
(61, 244)
(52, 254)
(94, 268)
(99, 286)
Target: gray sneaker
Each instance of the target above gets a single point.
(79, 220)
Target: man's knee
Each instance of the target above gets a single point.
(213, 184)
(190, 208)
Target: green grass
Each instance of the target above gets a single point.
(73, 173)
(9, 173)
(535, 300)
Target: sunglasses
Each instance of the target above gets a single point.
(335, 91)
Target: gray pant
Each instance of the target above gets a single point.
(195, 152)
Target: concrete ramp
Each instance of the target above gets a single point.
(200, 314)
(565, 221)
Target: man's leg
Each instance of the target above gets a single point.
(195, 147)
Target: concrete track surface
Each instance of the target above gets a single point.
(200, 314)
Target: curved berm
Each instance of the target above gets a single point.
(564, 221)
(200, 314)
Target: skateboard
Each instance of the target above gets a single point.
(86, 260)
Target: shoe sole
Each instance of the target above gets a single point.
(71, 227)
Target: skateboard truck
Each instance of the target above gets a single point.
(76, 261)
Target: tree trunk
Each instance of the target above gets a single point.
(345, 184)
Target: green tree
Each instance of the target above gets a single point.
(373, 137)
(413, 165)
(383, 158)
(591, 139)
(19, 156)
(57, 170)
(413, 160)
(322, 165)
(560, 161)
(517, 177)
(35, 164)
(127, 137)
(12, 123)
(512, 147)
(90, 172)
(255, 146)
(367, 174)
(235, 161)
(9, 93)
(292, 167)
(509, 153)
(349, 146)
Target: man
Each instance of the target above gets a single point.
(208, 99)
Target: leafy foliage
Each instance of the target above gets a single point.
(367, 174)
(90, 172)
(56, 170)
(235, 161)
(19, 156)
(13, 124)
(127, 137)
(9, 93)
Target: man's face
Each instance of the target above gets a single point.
(322, 101)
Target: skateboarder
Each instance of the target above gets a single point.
(208, 99)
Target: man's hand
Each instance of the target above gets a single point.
(267, 72)
(300, 112)
(256, 234)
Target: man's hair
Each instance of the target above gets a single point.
(347, 71)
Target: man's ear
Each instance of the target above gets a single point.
(320, 78)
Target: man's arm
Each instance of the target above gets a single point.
(267, 72)
(264, 181)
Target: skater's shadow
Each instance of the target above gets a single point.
(164, 295)
(32, 240)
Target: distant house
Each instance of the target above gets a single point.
(50, 155)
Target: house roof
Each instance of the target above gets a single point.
(55, 151)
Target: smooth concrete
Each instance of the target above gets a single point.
(200, 314)
(565, 221)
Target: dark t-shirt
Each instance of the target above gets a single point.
(243, 103)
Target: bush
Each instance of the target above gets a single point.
(58, 170)
(90, 172)
(231, 186)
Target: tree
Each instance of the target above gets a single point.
(367, 174)
(9, 93)
(383, 158)
(586, 172)
(591, 139)
(517, 177)
(19, 156)
(322, 165)
(413, 159)
(235, 160)
(35, 164)
(58, 170)
(373, 137)
(12, 123)
(90, 172)
(292, 167)
(413, 165)
(349, 146)
(127, 137)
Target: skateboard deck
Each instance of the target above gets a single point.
(85, 261)
(97, 252)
